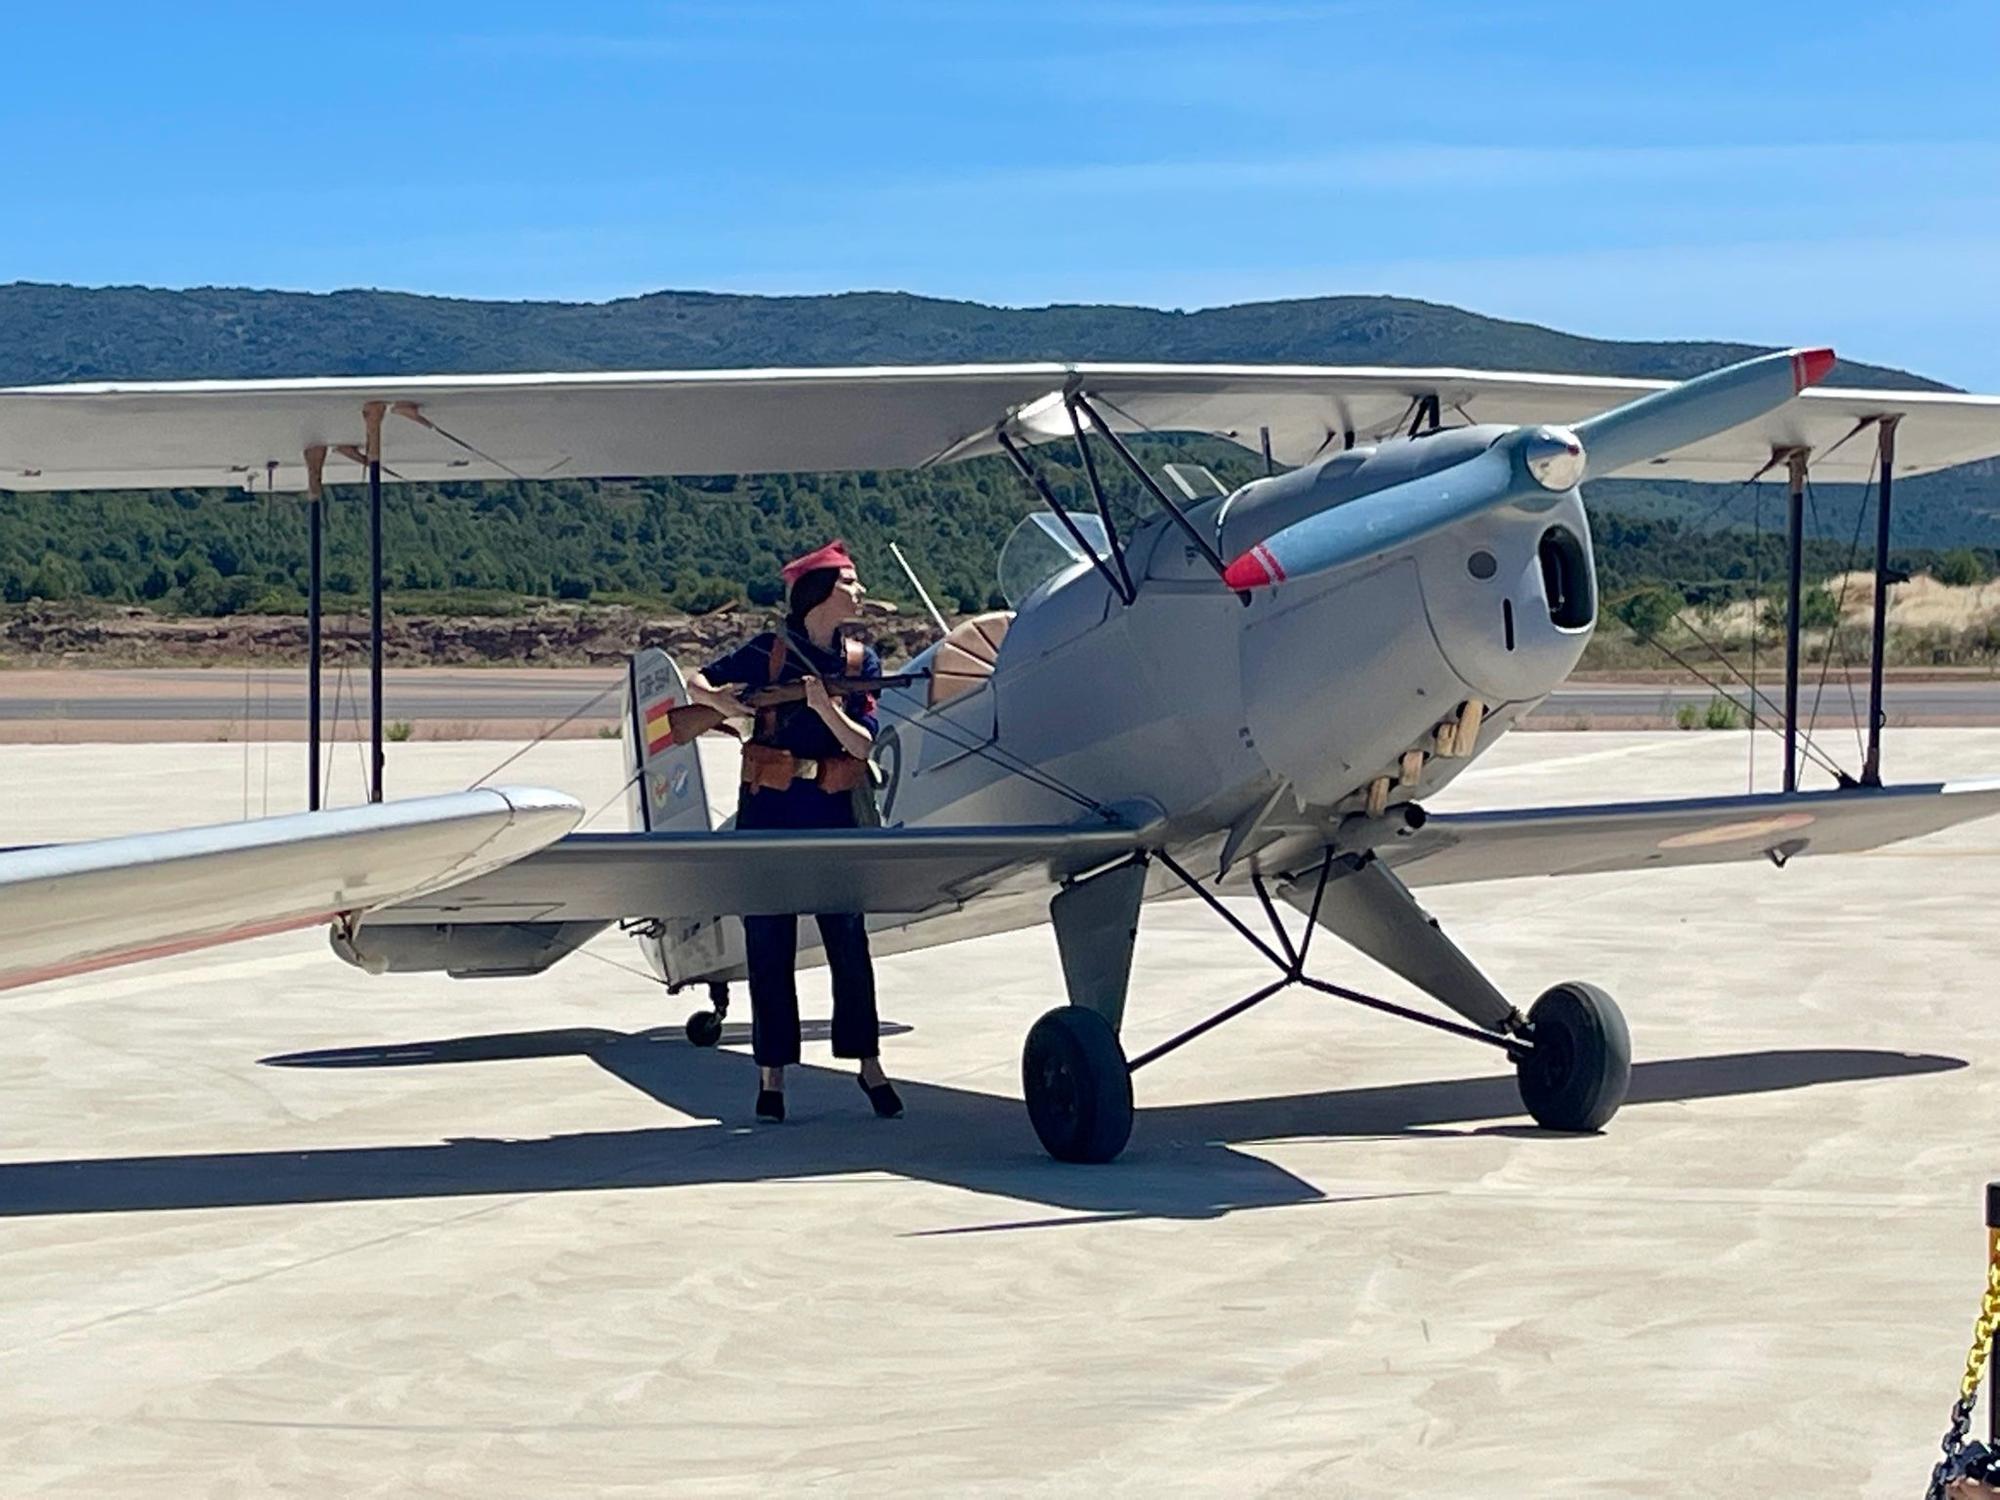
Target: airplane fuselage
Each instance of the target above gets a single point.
(1253, 731)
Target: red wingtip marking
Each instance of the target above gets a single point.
(1810, 366)
(1255, 569)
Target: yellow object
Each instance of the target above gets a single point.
(1989, 1319)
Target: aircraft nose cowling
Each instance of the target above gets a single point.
(1511, 598)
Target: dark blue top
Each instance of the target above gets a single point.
(799, 729)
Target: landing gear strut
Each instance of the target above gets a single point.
(704, 1027)
(1571, 1052)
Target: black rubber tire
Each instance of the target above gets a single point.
(1078, 1088)
(704, 1028)
(1581, 1066)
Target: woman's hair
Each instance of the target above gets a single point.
(808, 593)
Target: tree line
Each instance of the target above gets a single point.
(693, 544)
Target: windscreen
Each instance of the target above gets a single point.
(1041, 548)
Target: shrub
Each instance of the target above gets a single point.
(1961, 568)
(1649, 612)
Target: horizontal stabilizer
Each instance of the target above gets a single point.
(71, 908)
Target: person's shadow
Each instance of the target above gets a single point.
(1180, 1163)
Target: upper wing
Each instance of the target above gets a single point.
(238, 433)
(1455, 847)
(71, 908)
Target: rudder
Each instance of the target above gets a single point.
(666, 788)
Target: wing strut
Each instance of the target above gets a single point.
(315, 567)
(1079, 402)
(1885, 443)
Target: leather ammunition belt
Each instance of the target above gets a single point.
(765, 767)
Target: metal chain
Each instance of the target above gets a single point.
(1959, 1456)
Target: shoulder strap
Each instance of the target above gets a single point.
(767, 718)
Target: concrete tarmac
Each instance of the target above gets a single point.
(270, 1226)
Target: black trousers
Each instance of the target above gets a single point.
(773, 944)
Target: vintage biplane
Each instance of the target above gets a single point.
(1249, 693)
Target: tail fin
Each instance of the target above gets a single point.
(666, 790)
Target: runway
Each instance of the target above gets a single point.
(271, 1226)
(460, 702)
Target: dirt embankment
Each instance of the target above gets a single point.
(552, 636)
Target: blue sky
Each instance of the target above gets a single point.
(1779, 172)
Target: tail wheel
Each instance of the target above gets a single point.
(1580, 1066)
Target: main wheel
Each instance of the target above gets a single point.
(704, 1028)
(1078, 1089)
(1576, 1076)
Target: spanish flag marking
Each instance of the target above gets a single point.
(659, 731)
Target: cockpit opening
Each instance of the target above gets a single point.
(1041, 549)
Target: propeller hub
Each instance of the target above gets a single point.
(1554, 458)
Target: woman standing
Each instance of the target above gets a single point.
(801, 767)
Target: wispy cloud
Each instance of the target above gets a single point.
(554, 46)
(1422, 167)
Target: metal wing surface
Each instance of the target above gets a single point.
(604, 877)
(1454, 847)
(71, 908)
(610, 424)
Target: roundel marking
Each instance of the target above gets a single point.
(1729, 833)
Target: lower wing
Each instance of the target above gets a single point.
(70, 908)
(527, 916)
(1454, 847)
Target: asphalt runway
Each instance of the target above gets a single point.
(271, 1226)
(450, 702)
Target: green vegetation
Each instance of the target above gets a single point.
(1963, 567)
(1718, 713)
(482, 549)
(696, 544)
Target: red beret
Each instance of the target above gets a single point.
(832, 555)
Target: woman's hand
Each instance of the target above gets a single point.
(854, 739)
(724, 701)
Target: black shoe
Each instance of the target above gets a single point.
(771, 1105)
(883, 1097)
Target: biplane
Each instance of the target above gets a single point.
(1250, 693)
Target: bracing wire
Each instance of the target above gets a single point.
(1840, 614)
(992, 753)
(1812, 751)
(585, 707)
(1805, 740)
(1005, 760)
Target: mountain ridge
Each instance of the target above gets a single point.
(53, 333)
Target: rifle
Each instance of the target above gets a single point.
(693, 719)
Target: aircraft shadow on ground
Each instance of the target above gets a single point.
(1179, 1165)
